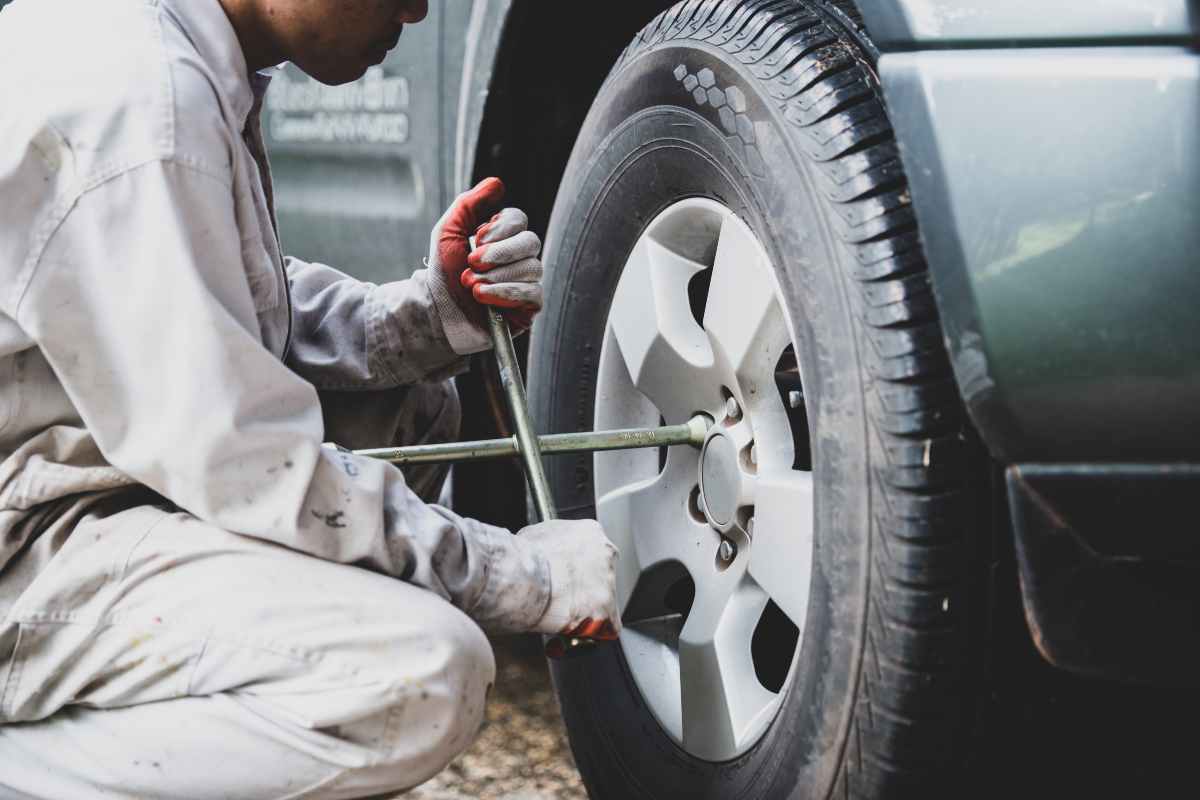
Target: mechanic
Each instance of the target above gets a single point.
(197, 598)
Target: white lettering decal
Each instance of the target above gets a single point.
(370, 110)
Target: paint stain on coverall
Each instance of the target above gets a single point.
(332, 519)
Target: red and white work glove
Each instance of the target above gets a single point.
(583, 578)
(503, 270)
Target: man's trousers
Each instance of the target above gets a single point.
(157, 656)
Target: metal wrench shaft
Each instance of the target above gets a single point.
(690, 433)
(518, 407)
(531, 455)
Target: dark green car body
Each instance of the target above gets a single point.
(1054, 160)
(1055, 164)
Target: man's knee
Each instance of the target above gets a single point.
(436, 712)
(429, 687)
(468, 672)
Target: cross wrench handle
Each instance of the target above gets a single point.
(531, 455)
(518, 409)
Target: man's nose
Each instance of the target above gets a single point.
(412, 11)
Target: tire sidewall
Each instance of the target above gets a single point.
(646, 145)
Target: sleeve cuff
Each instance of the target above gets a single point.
(465, 337)
(405, 336)
(516, 590)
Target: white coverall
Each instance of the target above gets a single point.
(165, 630)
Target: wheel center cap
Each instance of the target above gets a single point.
(719, 480)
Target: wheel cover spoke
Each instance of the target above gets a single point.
(718, 703)
(781, 553)
(743, 317)
(667, 354)
(649, 524)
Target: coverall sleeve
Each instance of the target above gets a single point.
(350, 334)
(142, 306)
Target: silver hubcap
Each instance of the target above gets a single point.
(720, 480)
(712, 541)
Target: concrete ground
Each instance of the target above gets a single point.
(521, 753)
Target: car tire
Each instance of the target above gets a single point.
(772, 110)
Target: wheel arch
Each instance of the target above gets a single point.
(527, 88)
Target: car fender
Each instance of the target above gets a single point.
(1053, 161)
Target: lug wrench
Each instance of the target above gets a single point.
(691, 433)
(531, 447)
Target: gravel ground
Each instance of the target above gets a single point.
(521, 753)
